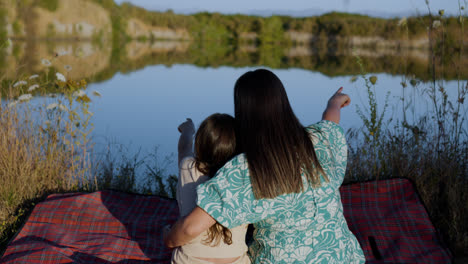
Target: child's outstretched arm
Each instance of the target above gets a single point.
(335, 103)
(184, 147)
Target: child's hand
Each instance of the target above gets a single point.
(187, 127)
(339, 99)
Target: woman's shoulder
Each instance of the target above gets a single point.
(237, 162)
(324, 126)
(327, 132)
(234, 171)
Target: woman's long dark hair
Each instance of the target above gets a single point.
(215, 144)
(278, 148)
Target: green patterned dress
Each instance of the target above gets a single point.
(306, 227)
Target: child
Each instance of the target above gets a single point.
(215, 144)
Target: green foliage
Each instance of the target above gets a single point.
(16, 51)
(50, 5)
(120, 170)
(50, 33)
(4, 43)
(17, 28)
(3, 22)
(372, 123)
(142, 38)
(153, 18)
(271, 30)
(208, 52)
(119, 174)
(211, 27)
(271, 55)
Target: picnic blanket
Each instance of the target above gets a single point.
(386, 216)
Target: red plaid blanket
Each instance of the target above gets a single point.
(99, 227)
(113, 227)
(391, 223)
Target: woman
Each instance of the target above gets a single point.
(285, 182)
(215, 144)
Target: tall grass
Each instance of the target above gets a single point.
(44, 146)
(145, 173)
(433, 154)
(431, 150)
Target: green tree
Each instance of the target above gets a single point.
(271, 30)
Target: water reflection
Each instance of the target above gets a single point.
(98, 61)
(148, 88)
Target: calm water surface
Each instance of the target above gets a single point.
(144, 99)
(143, 109)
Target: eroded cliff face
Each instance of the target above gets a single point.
(73, 19)
(14, 25)
(137, 29)
(361, 41)
(136, 50)
(78, 19)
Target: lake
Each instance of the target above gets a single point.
(148, 89)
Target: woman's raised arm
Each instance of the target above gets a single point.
(335, 103)
(188, 228)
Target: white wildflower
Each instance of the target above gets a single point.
(79, 93)
(62, 53)
(96, 93)
(34, 76)
(60, 77)
(52, 106)
(62, 107)
(402, 22)
(33, 87)
(25, 97)
(436, 24)
(46, 62)
(20, 83)
(12, 104)
(68, 67)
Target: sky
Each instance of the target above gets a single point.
(379, 8)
